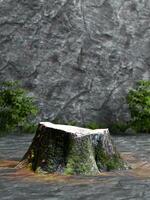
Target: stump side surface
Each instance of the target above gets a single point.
(67, 150)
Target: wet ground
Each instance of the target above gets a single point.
(120, 185)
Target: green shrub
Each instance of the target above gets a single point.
(16, 108)
(139, 105)
(118, 127)
(95, 125)
(28, 128)
(72, 123)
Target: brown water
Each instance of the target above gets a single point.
(120, 185)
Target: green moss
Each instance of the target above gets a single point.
(81, 164)
(76, 165)
(30, 166)
(108, 162)
(80, 160)
(114, 163)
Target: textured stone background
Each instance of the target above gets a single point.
(78, 57)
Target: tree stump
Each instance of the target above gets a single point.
(71, 150)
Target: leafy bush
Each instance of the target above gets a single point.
(139, 105)
(118, 127)
(94, 125)
(16, 108)
(115, 128)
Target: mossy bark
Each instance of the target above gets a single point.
(66, 150)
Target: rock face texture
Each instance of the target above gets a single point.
(71, 150)
(78, 57)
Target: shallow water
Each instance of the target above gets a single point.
(120, 185)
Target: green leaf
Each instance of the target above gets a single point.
(15, 106)
(138, 100)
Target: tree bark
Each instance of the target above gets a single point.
(71, 150)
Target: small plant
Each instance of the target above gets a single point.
(28, 128)
(94, 125)
(72, 123)
(118, 127)
(139, 105)
(16, 108)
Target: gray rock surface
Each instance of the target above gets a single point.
(78, 57)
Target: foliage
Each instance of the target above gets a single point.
(115, 128)
(95, 125)
(28, 128)
(139, 105)
(16, 108)
(72, 123)
(118, 127)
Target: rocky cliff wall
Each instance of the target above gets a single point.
(78, 57)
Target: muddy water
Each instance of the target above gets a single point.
(132, 184)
